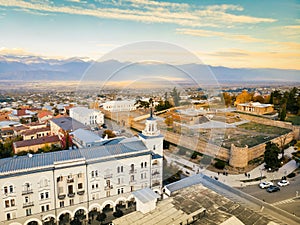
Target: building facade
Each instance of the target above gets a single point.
(255, 108)
(119, 106)
(45, 187)
(88, 117)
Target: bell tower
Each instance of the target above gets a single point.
(151, 135)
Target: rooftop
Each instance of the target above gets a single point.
(197, 203)
(45, 160)
(86, 136)
(38, 141)
(68, 123)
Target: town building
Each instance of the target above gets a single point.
(255, 108)
(119, 106)
(36, 144)
(39, 188)
(88, 117)
(85, 138)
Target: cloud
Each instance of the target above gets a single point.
(148, 12)
(208, 33)
(240, 58)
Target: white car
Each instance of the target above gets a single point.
(283, 183)
(265, 184)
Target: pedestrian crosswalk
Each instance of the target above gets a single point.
(284, 202)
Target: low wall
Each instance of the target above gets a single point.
(266, 121)
(258, 150)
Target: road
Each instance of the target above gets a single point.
(278, 215)
(284, 199)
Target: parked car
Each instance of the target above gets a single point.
(273, 188)
(265, 184)
(283, 183)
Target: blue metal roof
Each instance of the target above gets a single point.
(149, 137)
(186, 182)
(44, 160)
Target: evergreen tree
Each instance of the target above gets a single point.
(271, 156)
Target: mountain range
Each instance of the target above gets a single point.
(34, 68)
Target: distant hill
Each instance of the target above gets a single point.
(31, 68)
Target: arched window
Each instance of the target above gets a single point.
(142, 165)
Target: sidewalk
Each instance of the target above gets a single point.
(235, 180)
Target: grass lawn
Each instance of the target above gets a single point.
(265, 129)
(295, 120)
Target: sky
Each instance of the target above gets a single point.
(237, 34)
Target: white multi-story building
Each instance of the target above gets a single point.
(89, 117)
(46, 187)
(119, 106)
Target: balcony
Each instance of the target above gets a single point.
(80, 192)
(71, 195)
(61, 196)
(156, 183)
(155, 173)
(70, 180)
(106, 188)
(108, 176)
(28, 204)
(132, 171)
(26, 192)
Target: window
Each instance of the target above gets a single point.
(28, 212)
(121, 169)
(5, 190)
(118, 169)
(142, 165)
(60, 179)
(96, 173)
(47, 207)
(93, 174)
(80, 186)
(120, 191)
(8, 216)
(26, 199)
(145, 164)
(10, 203)
(153, 147)
(80, 175)
(42, 208)
(71, 201)
(11, 189)
(132, 178)
(61, 204)
(44, 195)
(142, 176)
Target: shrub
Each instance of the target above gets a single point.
(118, 213)
(291, 175)
(220, 165)
(194, 155)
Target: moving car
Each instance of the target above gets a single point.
(273, 188)
(265, 184)
(283, 183)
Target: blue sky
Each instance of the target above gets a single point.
(248, 33)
